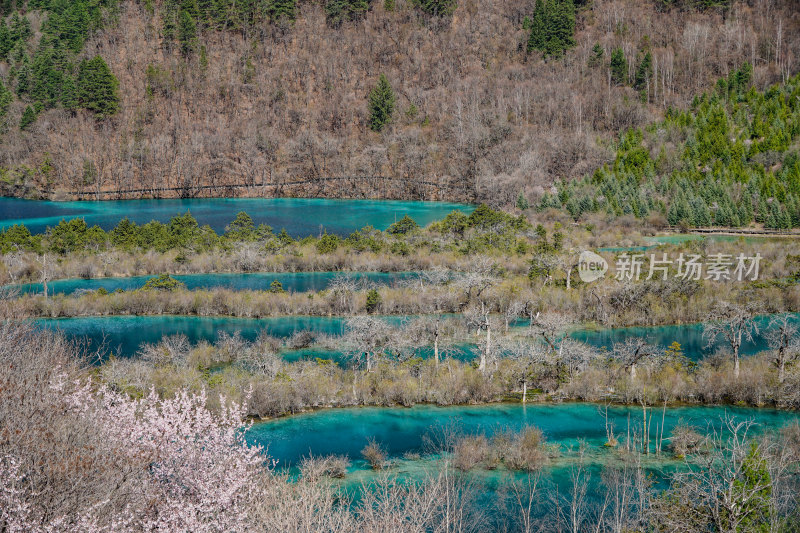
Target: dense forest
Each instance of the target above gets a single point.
(431, 99)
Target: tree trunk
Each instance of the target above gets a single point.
(633, 370)
(569, 276)
(436, 350)
(781, 370)
(736, 363)
(485, 353)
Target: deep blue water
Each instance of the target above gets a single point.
(258, 281)
(300, 217)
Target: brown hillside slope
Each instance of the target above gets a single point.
(284, 112)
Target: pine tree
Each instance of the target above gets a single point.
(28, 118)
(170, 21)
(69, 94)
(536, 37)
(381, 104)
(644, 73)
(24, 77)
(700, 214)
(561, 34)
(98, 88)
(5, 99)
(552, 29)
(373, 300)
(20, 28)
(597, 55)
(619, 67)
(190, 7)
(282, 10)
(46, 80)
(339, 11)
(437, 8)
(6, 43)
(187, 32)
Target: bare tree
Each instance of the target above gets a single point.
(632, 351)
(782, 336)
(480, 319)
(365, 337)
(727, 490)
(430, 330)
(575, 356)
(343, 288)
(529, 355)
(45, 273)
(480, 276)
(735, 324)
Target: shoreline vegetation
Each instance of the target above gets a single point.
(127, 443)
(478, 274)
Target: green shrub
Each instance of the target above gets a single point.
(327, 243)
(164, 282)
(403, 226)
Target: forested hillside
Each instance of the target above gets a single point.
(731, 160)
(431, 99)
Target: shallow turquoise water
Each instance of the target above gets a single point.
(300, 217)
(413, 439)
(404, 430)
(123, 335)
(258, 281)
(690, 337)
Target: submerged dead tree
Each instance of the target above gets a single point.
(734, 324)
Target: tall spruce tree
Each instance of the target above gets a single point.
(5, 103)
(98, 88)
(552, 28)
(644, 73)
(537, 28)
(24, 77)
(6, 43)
(28, 118)
(169, 16)
(69, 94)
(619, 67)
(187, 32)
(381, 104)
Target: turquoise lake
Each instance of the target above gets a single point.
(412, 438)
(258, 281)
(690, 336)
(123, 335)
(300, 217)
(402, 430)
